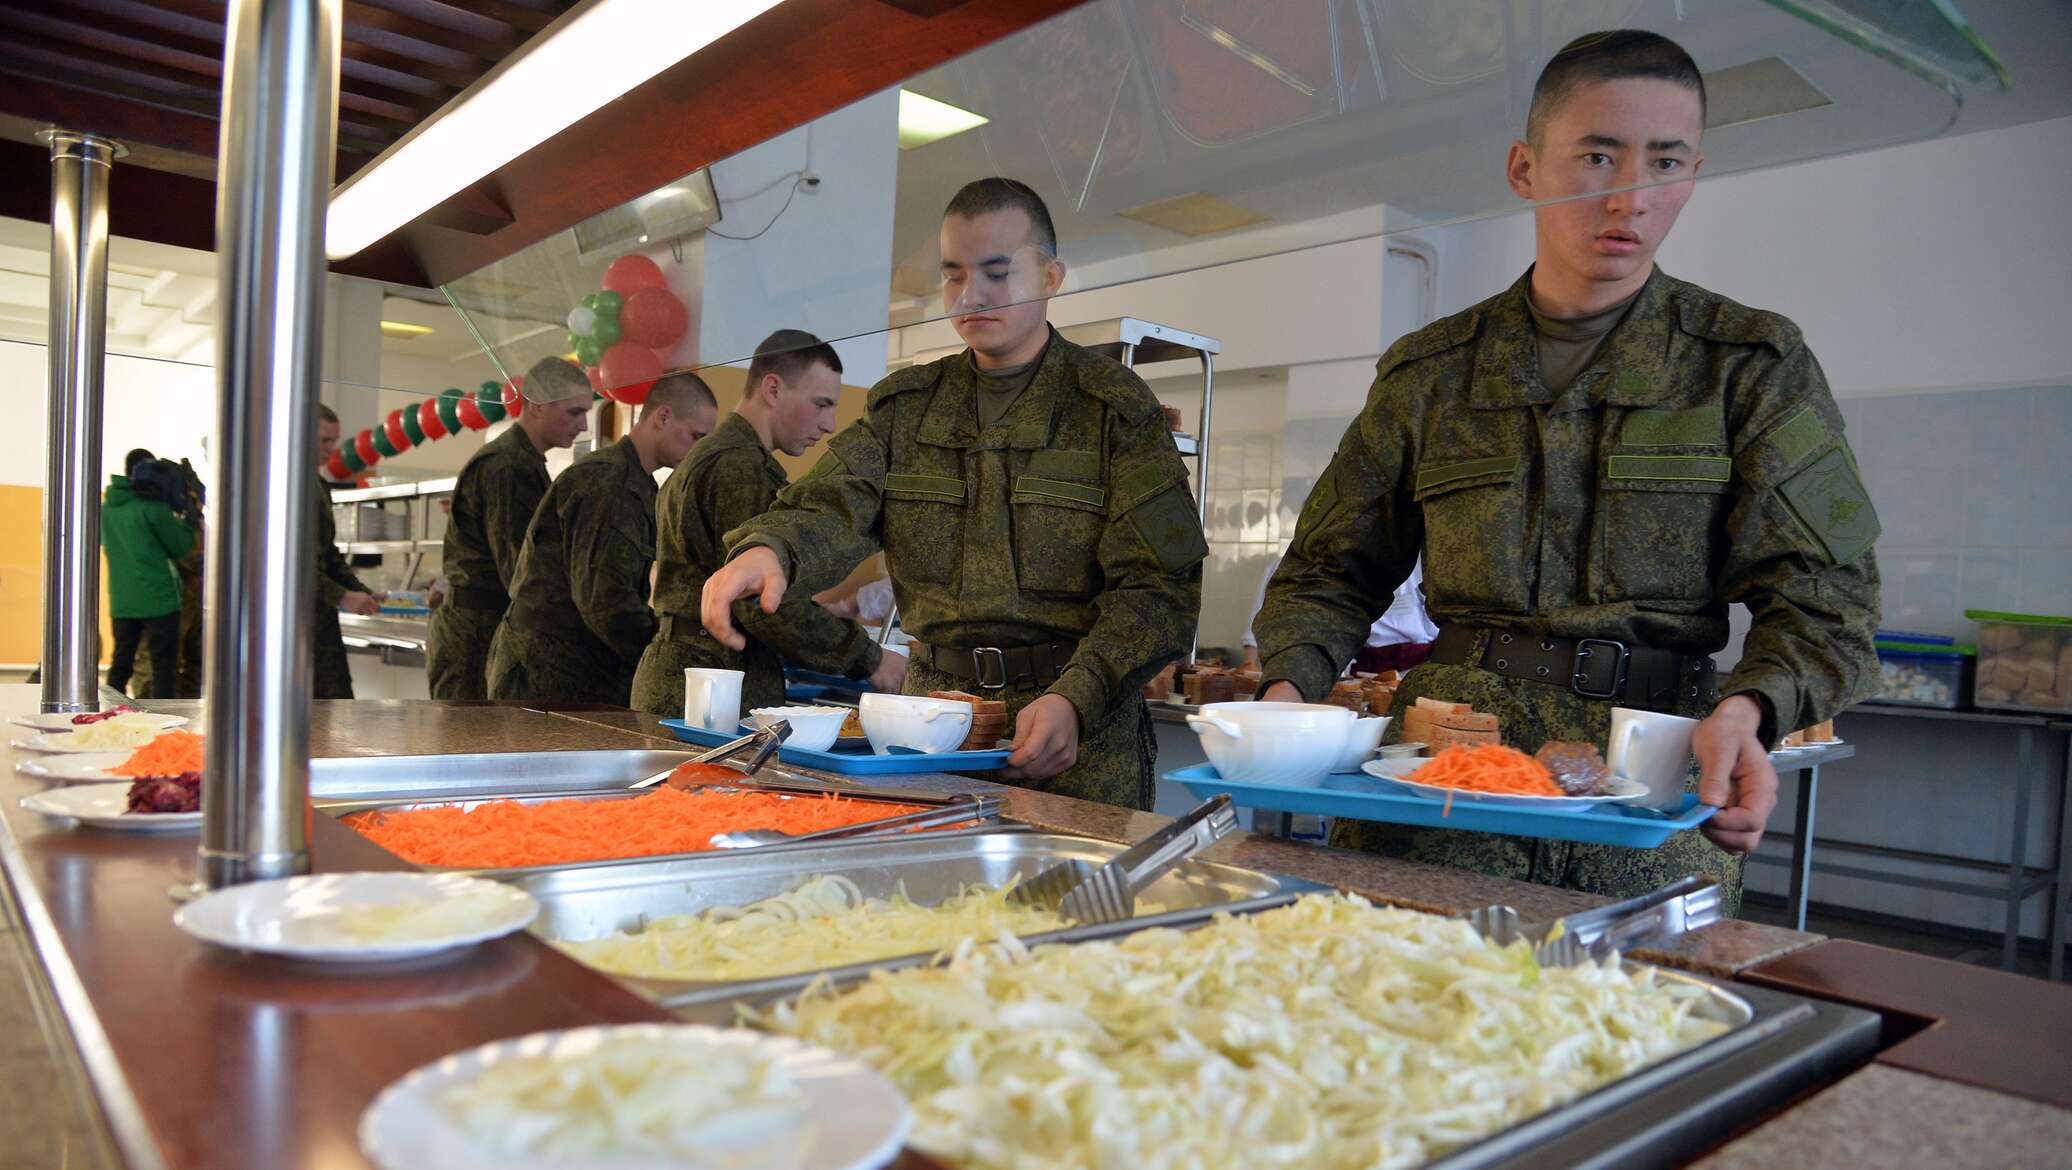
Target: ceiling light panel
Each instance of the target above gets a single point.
(923, 120)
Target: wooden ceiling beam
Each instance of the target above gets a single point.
(426, 43)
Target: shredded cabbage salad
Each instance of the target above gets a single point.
(1329, 1033)
(703, 1107)
(131, 730)
(826, 922)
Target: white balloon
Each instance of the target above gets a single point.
(581, 320)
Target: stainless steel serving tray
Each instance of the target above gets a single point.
(587, 903)
(1777, 1048)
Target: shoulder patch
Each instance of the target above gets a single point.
(900, 381)
(1436, 338)
(1715, 318)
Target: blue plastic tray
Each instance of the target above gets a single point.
(1364, 798)
(862, 762)
(405, 611)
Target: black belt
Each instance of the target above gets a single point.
(476, 597)
(1595, 668)
(680, 629)
(994, 667)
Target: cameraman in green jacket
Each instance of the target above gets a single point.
(142, 534)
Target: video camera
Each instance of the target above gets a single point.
(174, 484)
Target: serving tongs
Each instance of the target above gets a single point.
(766, 742)
(1678, 908)
(1108, 893)
(970, 808)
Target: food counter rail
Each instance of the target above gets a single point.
(203, 1059)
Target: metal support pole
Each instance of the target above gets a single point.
(1802, 846)
(79, 171)
(280, 115)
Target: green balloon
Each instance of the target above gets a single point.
(588, 351)
(449, 409)
(607, 305)
(590, 302)
(490, 400)
(575, 341)
(412, 429)
(351, 458)
(604, 334)
(382, 444)
(490, 391)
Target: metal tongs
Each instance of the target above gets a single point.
(771, 738)
(1083, 893)
(1678, 908)
(976, 808)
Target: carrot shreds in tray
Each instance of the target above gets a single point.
(173, 753)
(1491, 768)
(505, 833)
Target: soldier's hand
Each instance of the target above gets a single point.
(363, 604)
(891, 673)
(756, 570)
(1282, 692)
(1046, 739)
(1735, 774)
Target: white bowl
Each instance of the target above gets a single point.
(915, 722)
(1360, 743)
(1291, 744)
(812, 728)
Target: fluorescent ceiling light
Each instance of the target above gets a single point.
(590, 57)
(923, 120)
(404, 329)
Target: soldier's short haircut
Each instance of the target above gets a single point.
(553, 379)
(981, 196)
(1609, 56)
(326, 413)
(789, 353)
(682, 392)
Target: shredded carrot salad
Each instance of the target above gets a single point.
(1490, 768)
(505, 833)
(172, 753)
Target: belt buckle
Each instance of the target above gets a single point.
(994, 657)
(1580, 681)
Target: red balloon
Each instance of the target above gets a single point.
(470, 414)
(393, 428)
(653, 317)
(363, 446)
(596, 377)
(428, 419)
(336, 466)
(629, 274)
(629, 371)
(514, 396)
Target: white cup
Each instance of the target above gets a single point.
(1654, 749)
(712, 698)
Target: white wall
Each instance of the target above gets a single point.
(167, 407)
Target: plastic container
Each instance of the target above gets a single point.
(2024, 662)
(1924, 674)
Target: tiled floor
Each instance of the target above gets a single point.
(48, 1122)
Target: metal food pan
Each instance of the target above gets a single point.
(484, 774)
(579, 904)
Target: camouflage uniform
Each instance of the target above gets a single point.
(1698, 461)
(579, 616)
(1069, 518)
(727, 480)
(493, 503)
(332, 672)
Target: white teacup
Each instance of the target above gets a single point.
(712, 698)
(1654, 749)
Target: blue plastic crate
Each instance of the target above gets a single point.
(856, 762)
(1364, 798)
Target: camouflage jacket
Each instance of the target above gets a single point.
(335, 576)
(493, 503)
(582, 578)
(1698, 461)
(726, 481)
(1070, 518)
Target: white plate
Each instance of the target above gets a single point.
(106, 806)
(56, 742)
(62, 721)
(1398, 771)
(285, 916)
(90, 768)
(860, 1118)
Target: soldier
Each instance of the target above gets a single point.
(338, 587)
(730, 478)
(493, 504)
(579, 615)
(1596, 462)
(1033, 511)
